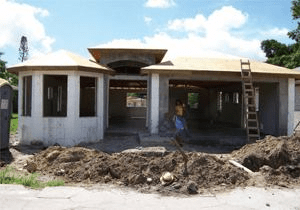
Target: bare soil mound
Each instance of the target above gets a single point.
(277, 158)
(139, 170)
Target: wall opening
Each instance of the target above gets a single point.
(55, 95)
(136, 100)
(27, 95)
(127, 104)
(88, 97)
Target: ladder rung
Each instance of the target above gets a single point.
(252, 120)
(253, 128)
(246, 78)
(251, 112)
(251, 97)
(245, 63)
(249, 90)
(253, 135)
(248, 83)
(251, 105)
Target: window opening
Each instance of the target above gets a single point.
(55, 95)
(226, 98)
(27, 95)
(235, 98)
(88, 96)
(220, 101)
(136, 100)
(193, 100)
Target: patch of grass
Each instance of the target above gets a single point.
(14, 123)
(54, 183)
(10, 176)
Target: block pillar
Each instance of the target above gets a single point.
(154, 107)
(286, 106)
(291, 105)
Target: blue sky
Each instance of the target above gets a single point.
(197, 28)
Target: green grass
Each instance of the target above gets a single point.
(10, 176)
(14, 123)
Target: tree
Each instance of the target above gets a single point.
(4, 74)
(2, 64)
(281, 54)
(295, 34)
(23, 50)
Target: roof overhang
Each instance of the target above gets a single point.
(97, 53)
(18, 69)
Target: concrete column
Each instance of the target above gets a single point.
(20, 96)
(291, 105)
(163, 97)
(154, 110)
(73, 121)
(283, 107)
(73, 96)
(107, 84)
(37, 107)
(101, 100)
(37, 95)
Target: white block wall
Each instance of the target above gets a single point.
(66, 131)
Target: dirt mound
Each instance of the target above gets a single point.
(139, 170)
(277, 158)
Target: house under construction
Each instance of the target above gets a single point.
(67, 99)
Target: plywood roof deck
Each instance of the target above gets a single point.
(60, 60)
(183, 64)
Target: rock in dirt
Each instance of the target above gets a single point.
(30, 167)
(115, 173)
(192, 187)
(167, 178)
(52, 155)
(137, 179)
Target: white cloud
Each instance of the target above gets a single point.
(19, 20)
(147, 20)
(276, 32)
(160, 3)
(220, 20)
(210, 36)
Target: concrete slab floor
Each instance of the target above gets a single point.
(15, 197)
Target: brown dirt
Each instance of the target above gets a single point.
(82, 165)
(274, 159)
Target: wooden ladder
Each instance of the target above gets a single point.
(250, 114)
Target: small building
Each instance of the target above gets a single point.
(66, 99)
(61, 99)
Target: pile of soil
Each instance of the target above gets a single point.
(277, 158)
(139, 170)
(275, 161)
